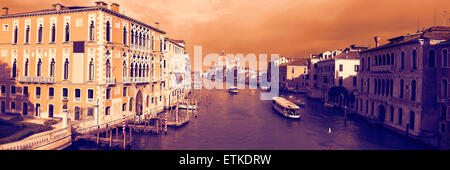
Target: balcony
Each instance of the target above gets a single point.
(442, 99)
(90, 100)
(110, 81)
(154, 79)
(384, 68)
(130, 80)
(41, 80)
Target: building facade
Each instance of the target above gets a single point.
(100, 62)
(179, 65)
(403, 84)
(293, 76)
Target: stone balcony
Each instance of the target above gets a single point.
(110, 81)
(131, 80)
(384, 68)
(40, 79)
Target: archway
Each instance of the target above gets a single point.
(139, 102)
(381, 113)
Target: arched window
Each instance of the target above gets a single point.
(108, 69)
(91, 31)
(140, 70)
(67, 36)
(148, 100)
(413, 90)
(402, 66)
(136, 38)
(39, 67)
(148, 71)
(400, 116)
(66, 69)
(375, 83)
(444, 88)
(107, 110)
(401, 88)
(26, 67)
(91, 69)
(431, 58)
(132, 37)
(412, 116)
(444, 58)
(27, 34)
(14, 69)
(40, 34)
(131, 70)
(384, 59)
(368, 63)
(108, 31)
(392, 58)
(368, 86)
(388, 59)
(383, 84)
(124, 67)
(52, 68)
(376, 60)
(136, 70)
(125, 35)
(379, 86)
(16, 34)
(414, 59)
(53, 33)
(140, 39)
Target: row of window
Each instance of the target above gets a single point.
(387, 59)
(39, 68)
(382, 113)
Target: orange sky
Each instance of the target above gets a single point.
(293, 28)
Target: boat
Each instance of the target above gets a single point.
(286, 108)
(233, 90)
(328, 105)
(265, 88)
(187, 107)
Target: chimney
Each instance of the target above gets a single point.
(101, 4)
(156, 24)
(4, 11)
(377, 41)
(58, 6)
(115, 7)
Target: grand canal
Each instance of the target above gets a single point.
(241, 122)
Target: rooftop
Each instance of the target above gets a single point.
(68, 9)
(435, 33)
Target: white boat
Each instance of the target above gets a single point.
(286, 108)
(328, 105)
(187, 107)
(265, 88)
(233, 90)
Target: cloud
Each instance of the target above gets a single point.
(293, 28)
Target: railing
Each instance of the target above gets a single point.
(110, 80)
(28, 79)
(129, 80)
(383, 68)
(39, 140)
(90, 100)
(442, 99)
(92, 128)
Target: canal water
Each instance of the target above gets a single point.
(244, 122)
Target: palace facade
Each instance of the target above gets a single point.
(99, 61)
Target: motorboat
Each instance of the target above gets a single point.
(233, 90)
(286, 108)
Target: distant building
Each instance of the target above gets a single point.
(293, 75)
(179, 71)
(404, 85)
(336, 76)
